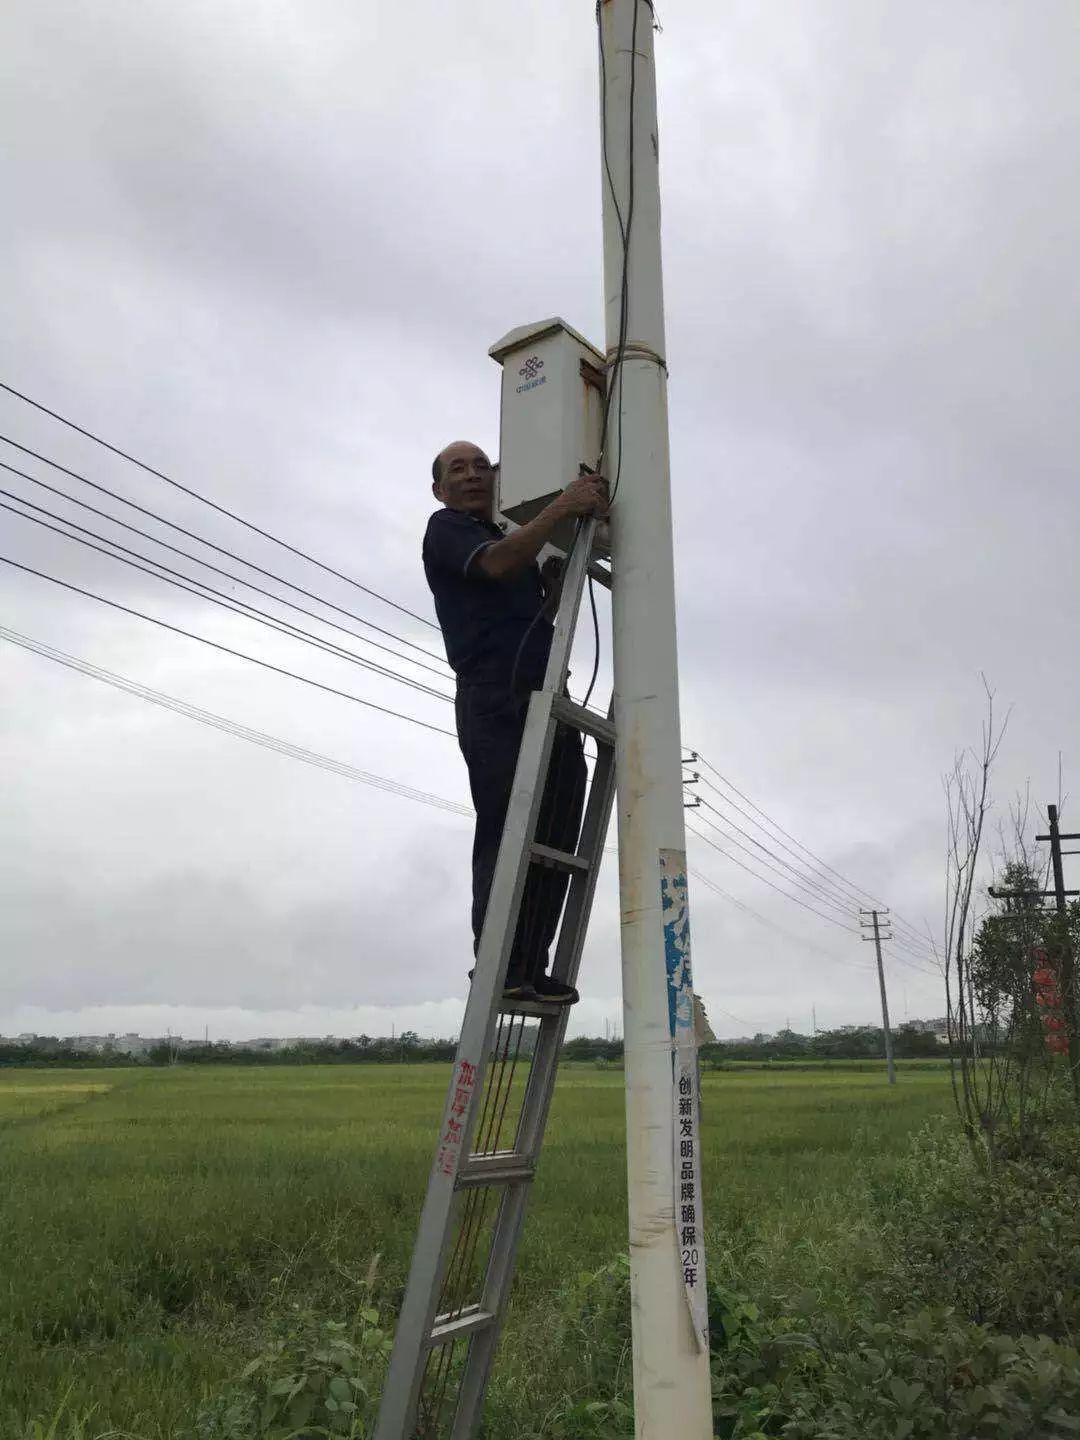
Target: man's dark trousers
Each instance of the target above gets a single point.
(490, 723)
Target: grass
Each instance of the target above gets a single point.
(152, 1220)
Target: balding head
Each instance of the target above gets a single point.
(463, 478)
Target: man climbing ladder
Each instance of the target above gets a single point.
(493, 608)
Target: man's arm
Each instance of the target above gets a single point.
(587, 495)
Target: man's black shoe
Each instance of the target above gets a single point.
(515, 989)
(555, 991)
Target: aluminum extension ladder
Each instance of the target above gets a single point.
(492, 1130)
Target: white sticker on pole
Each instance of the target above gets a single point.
(689, 1217)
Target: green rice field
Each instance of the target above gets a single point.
(155, 1222)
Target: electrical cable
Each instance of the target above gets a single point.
(710, 884)
(206, 565)
(843, 896)
(921, 939)
(541, 614)
(792, 880)
(596, 646)
(224, 649)
(210, 544)
(736, 861)
(221, 509)
(218, 598)
(616, 371)
(809, 881)
(285, 748)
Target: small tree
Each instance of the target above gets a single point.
(1001, 1067)
(977, 1091)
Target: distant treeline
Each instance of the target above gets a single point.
(865, 1043)
(862, 1044)
(363, 1050)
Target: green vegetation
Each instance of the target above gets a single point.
(217, 1254)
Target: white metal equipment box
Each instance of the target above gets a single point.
(551, 416)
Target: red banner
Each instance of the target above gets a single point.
(1048, 999)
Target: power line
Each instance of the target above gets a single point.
(825, 897)
(916, 934)
(794, 898)
(802, 885)
(206, 565)
(798, 877)
(210, 544)
(215, 597)
(205, 500)
(835, 890)
(799, 940)
(225, 649)
(233, 727)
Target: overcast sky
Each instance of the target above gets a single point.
(265, 246)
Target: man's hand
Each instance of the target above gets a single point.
(587, 495)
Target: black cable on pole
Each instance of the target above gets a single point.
(220, 549)
(214, 597)
(207, 565)
(596, 646)
(205, 500)
(224, 649)
(615, 374)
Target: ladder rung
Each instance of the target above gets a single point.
(598, 726)
(557, 859)
(470, 1319)
(503, 1167)
(534, 1009)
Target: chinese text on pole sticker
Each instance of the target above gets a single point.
(689, 1220)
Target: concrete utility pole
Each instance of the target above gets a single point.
(877, 938)
(667, 1270)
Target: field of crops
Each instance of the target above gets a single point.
(154, 1222)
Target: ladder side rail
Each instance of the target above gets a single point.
(401, 1392)
(541, 1082)
(594, 828)
(536, 1104)
(482, 1345)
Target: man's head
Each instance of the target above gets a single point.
(463, 478)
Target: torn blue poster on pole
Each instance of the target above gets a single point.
(688, 1217)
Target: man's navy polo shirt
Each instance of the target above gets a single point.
(484, 621)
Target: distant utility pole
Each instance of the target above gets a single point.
(669, 1311)
(874, 924)
(1066, 959)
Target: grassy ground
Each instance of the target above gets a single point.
(150, 1220)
